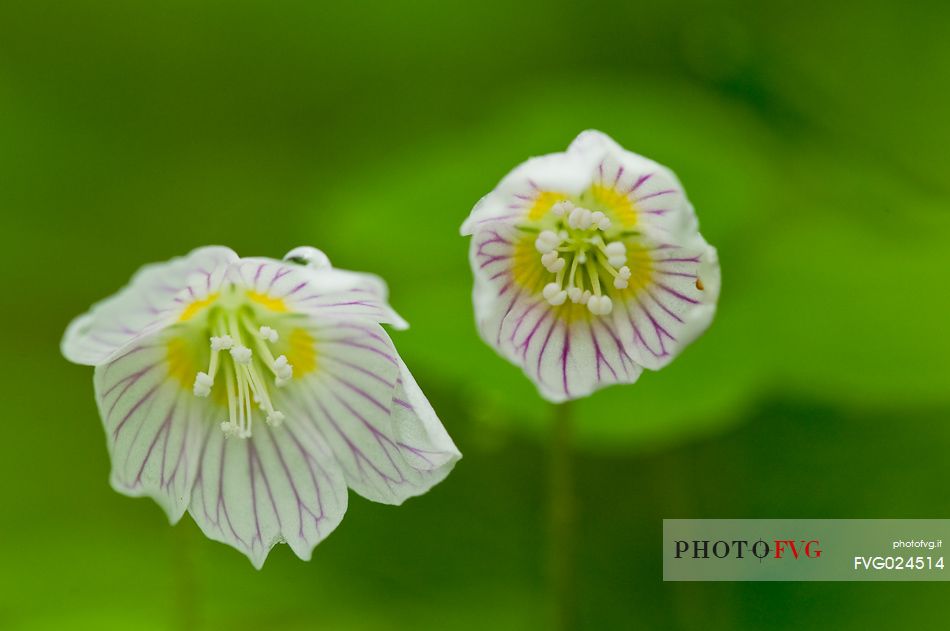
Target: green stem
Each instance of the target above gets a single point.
(561, 543)
(186, 598)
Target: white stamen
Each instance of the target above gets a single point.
(203, 383)
(230, 428)
(247, 389)
(586, 220)
(616, 248)
(547, 241)
(241, 354)
(562, 208)
(574, 234)
(221, 343)
(548, 259)
(574, 217)
(552, 262)
(283, 371)
(600, 305)
(268, 334)
(616, 253)
(554, 294)
(594, 305)
(580, 218)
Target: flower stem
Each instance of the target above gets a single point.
(561, 516)
(186, 597)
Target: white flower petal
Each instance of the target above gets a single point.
(420, 435)
(567, 173)
(155, 427)
(280, 485)
(156, 296)
(321, 293)
(564, 350)
(348, 399)
(492, 255)
(671, 310)
(636, 187)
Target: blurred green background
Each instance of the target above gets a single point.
(811, 136)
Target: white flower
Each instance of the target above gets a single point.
(589, 267)
(252, 392)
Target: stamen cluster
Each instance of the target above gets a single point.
(242, 369)
(580, 255)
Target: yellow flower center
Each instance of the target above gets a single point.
(253, 345)
(582, 251)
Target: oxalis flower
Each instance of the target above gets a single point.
(252, 392)
(589, 267)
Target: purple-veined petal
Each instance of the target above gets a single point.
(504, 258)
(644, 195)
(157, 295)
(566, 351)
(536, 183)
(155, 428)
(281, 485)
(419, 433)
(322, 293)
(570, 353)
(674, 305)
(348, 399)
